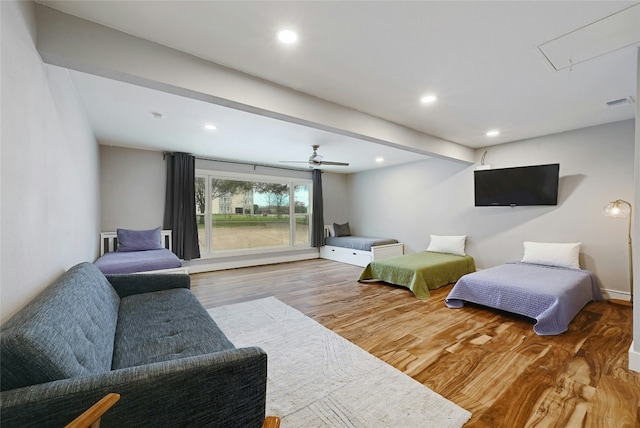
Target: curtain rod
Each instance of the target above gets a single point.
(165, 154)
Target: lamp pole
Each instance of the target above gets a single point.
(630, 252)
(613, 210)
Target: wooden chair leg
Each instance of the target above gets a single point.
(91, 417)
(271, 422)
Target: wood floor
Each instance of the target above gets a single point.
(487, 362)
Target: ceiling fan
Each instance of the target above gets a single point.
(315, 160)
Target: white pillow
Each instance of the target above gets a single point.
(329, 230)
(552, 254)
(448, 244)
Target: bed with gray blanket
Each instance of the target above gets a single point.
(363, 243)
(342, 246)
(551, 295)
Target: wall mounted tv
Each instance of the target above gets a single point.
(525, 185)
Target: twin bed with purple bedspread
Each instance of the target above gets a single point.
(551, 295)
(137, 261)
(135, 251)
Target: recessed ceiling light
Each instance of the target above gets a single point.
(210, 126)
(379, 159)
(493, 133)
(287, 36)
(428, 99)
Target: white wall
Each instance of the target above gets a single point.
(411, 202)
(49, 168)
(132, 188)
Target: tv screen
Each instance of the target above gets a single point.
(526, 185)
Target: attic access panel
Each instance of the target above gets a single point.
(614, 32)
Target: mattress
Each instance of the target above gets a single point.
(363, 243)
(137, 261)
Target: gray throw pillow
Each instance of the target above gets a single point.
(342, 229)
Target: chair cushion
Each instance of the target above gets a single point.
(66, 331)
(162, 326)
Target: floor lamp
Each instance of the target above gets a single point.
(622, 209)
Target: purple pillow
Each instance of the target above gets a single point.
(139, 240)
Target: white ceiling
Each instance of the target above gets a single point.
(480, 58)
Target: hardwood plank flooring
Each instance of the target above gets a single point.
(489, 362)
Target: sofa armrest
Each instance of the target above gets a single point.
(226, 388)
(128, 284)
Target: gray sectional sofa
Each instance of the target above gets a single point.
(145, 337)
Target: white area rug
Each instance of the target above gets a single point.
(316, 378)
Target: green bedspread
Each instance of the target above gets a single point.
(420, 272)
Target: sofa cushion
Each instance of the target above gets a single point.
(66, 331)
(163, 326)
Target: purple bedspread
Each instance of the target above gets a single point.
(137, 261)
(553, 296)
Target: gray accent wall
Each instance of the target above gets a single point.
(132, 188)
(413, 201)
(336, 199)
(49, 168)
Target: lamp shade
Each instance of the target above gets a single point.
(617, 208)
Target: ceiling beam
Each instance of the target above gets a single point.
(81, 45)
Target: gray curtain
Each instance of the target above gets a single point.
(317, 219)
(180, 205)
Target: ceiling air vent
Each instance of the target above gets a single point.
(620, 102)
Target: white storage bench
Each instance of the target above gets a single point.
(359, 257)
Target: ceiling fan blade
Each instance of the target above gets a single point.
(333, 163)
(316, 160)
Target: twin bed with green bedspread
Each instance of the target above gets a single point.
(420, 272)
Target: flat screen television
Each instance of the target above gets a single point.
(525, 185)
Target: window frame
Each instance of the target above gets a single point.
(292, 182)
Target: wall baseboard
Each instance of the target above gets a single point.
(615, 295)
(234, 264)
(634, 359)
